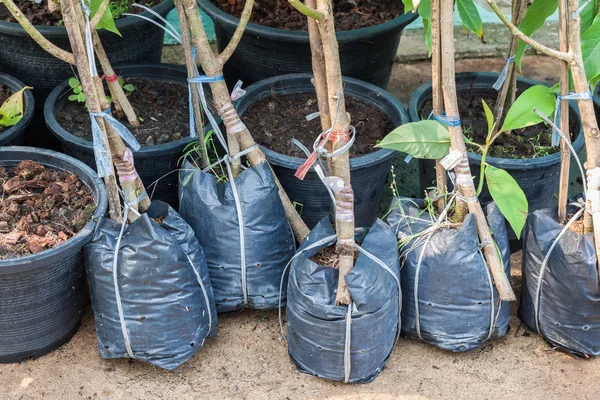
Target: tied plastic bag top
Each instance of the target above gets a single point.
(246, 264)
(317, 329)
(567, 297)
(458, 305)
(156, 304)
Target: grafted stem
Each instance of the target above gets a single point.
(237, 35)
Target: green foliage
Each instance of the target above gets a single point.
(470, 17)
(423, 139)
(587, 15)
(508, 196)
(193, 153)
(534, 19)
(78, 94)
(590, 50)
(11, 111)
(107, 21)
(489, 116)
(521, 114)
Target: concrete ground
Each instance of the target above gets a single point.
(248, 359)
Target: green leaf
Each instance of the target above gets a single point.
(423, 139)
(74, 82)
(77, 89)
(425, 13)
(107, 21)
(534, 19)
(11, 111)
(489, 116)
(509, 197)
(587, 15)
(467, 10)
(129, 87)
(521, 113)
(73, 97)
(590, 50)
(81, 97)
(408, 6)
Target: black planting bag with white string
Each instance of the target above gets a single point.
(316, 328)
(163, 283)
(569, 294)
(210, 209)
(458, 303)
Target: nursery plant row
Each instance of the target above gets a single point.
(252, 177)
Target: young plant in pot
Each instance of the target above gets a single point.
(157, 102)
(343, 305)
(528, 154)
(277, 41)
(283, 114)
(147, 244)
(238, 214)
(560, 263)
(456, 261)
(16, 110)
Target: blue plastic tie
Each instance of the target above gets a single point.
(452, 120)
(498, 84)
(570, 96)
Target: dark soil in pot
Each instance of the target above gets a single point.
(161, 107)
(38, 13)
(275, 120)
(40, 208)
(348, 15)
(531, 142)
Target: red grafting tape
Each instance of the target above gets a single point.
(303, 170)
(339, 136)
(111, 78)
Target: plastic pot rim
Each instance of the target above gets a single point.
(252, 29)
(13, 28)
(15, 85)
(356, 163)
(129, 70)
(417, 97)
(41, 259)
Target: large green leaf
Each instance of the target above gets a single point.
(107, 21)
(423, 139)
(11, 111)
(590, 50)
(508, 196)
(587, 15)
(521, 113)
(467, 10)
(534, 19)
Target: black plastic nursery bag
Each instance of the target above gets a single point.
(317, 328)
(164, 290)
(268, 242)
(568, 296)
(458, 305)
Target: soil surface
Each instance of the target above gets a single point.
(162, 107)
(531, 142)
(274, 121)
(5, 93)
(348, 14)
(38, 13)
(40, 208)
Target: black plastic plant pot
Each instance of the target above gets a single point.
(367, 53)
(42, 295)
(597, 102)
(368, 172)
(152, 162)
(538, 177)
(20, 56)
(13, 136)
(559, 298)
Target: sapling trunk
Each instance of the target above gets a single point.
(344, 213)
(237, 132)
(437, 95)
(196, 104)
(565, 154)
(464, 179)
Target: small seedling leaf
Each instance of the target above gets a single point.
(11, 111)
(508, 196)
(129, 87)
(73, 97)
(423, 139)
(489, 116)
(74, 82)
(522, 114)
